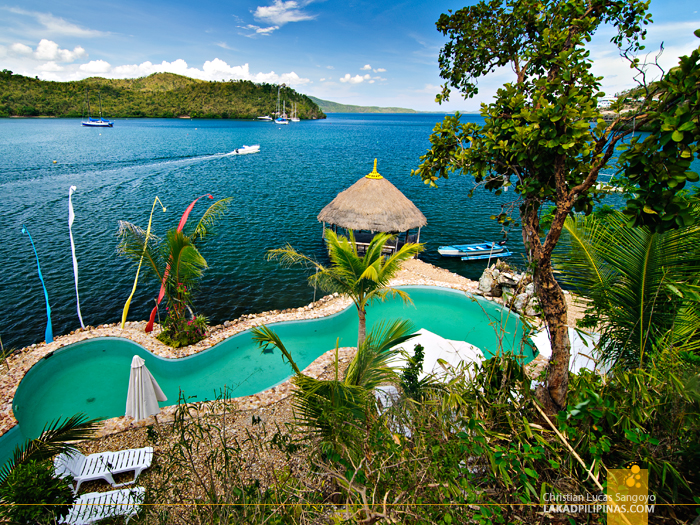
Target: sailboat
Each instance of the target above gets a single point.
(95, 122)
(281, 117)
(294, 114)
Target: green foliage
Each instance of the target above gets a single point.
(335, 409)
(56, 437)
(409, 377)
(176, 264)
(178, 331)
(660, 164)
(159, 95)
(31, 494)
(538, 137)
(633, 278)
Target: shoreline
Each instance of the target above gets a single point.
(414, 272)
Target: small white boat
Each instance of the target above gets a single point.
(266, 118)
(294, 114)
(245, 150)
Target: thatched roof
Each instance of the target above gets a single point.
(373, 203)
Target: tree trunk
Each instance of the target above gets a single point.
(553, 305)
(362, 329)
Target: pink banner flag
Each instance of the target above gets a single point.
(161, 294)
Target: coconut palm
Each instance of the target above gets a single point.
(363, 278)
(631, 277)
(325, 407)
(175, 262)
(57, 437)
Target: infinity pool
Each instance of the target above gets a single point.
(92, 376)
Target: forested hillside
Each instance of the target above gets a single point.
(158, 95)
(335, 107)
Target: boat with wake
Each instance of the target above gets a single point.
(476, 251)
(245, 150)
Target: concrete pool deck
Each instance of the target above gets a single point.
(413, 272)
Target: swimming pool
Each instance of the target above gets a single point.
(92, 376)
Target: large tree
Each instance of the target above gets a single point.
(544, 135)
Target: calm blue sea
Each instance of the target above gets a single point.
(277, 195)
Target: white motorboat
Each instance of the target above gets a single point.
(245, 150)
(266, 118)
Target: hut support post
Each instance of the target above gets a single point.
(418, 238)
(323, 231)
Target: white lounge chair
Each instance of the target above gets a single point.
(96, 506)
(103, 465)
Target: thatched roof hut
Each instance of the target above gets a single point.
(375, 204)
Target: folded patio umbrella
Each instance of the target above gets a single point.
(144, 392)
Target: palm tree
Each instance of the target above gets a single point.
(362, 278)
(175, 262)
(57, 437)
(326, 406)
(633, 278)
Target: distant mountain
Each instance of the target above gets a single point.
(333, 107)
(158, 95)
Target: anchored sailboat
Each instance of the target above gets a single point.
(95, 122)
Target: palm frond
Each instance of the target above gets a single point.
(369, 368)
(266, 338)
(186, 263)
(210, 218)
(57, 437)
(131, 242)
(625, 272)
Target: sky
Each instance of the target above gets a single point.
(371, 53)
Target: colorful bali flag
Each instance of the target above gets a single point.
(49, 330)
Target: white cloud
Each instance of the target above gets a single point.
(21, 49)
(322, 80)
(96, 66)
(49, 50)
(56, 25)
(380, 70)
(50, 67)
(216, 69)
(261, 30)
(224, 45)
(366, 67)
(281, 13)
(330, 67)
(356, 79)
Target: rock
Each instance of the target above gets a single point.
(486, 282)
(520, 302)
(530, 289)
(227, 324)
(533, 307)
(507, 279)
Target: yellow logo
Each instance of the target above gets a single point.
(628, 496)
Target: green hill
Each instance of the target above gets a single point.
(333, 107)
(158, 95)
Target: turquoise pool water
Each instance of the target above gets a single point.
(92, 376)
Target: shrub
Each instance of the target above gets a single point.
(178, 331)
(31, 494)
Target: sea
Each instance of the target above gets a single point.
(276, 197)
